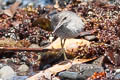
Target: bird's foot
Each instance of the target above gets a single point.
(65, 57)
(64, 54)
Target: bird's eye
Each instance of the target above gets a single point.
(64, 18)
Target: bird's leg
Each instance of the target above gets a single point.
(63, 50)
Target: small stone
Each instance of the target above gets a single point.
(7, 73)
(46, 66)
(1, 65)
(90, 37)
(23, 68)
(117, 70)
(34, 46)
(56, 78)
(44, 43)
(68, 75)
(117, 77)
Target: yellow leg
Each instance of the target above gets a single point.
(63, 50)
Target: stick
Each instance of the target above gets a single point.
(8, 49)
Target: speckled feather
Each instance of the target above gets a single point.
(67, 24)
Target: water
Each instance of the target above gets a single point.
(42, 3)
(20, 77)
(24, 3)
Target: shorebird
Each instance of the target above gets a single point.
(66, 24)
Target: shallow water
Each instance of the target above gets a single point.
(42, 3)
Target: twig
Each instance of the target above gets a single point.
(8, 49)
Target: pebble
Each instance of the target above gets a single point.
(56, 78)
(44, 43)
(23, 68)
(1, 65)
(117, 74)
(69, 75)
(90, 37)
(117, 77)
(1, 3)
(34, 46)
(7, 73)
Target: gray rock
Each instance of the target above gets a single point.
(1, 3)
(7, 73)
(80, 71)
(117, 76)
(84, 67)
(34, 46)
(117, 70)
(99, 61)
(1, 65)
(70, 75)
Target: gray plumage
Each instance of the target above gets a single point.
(67, 24)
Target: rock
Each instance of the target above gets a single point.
(85, 70)
(117, 74)
(1, 4)
(25, 3)
(117, 77)
(78, 42)
(110, 74)
(7, 73)
(1, 65)
(46, 66)
(23, 69)
(99, 61)
(34, 46)
(56, 78)
(70, 75)
(90, 37)
(117, 70)
(44, 43)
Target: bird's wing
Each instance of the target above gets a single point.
(63, 22)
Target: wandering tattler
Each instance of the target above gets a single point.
(67, 24)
